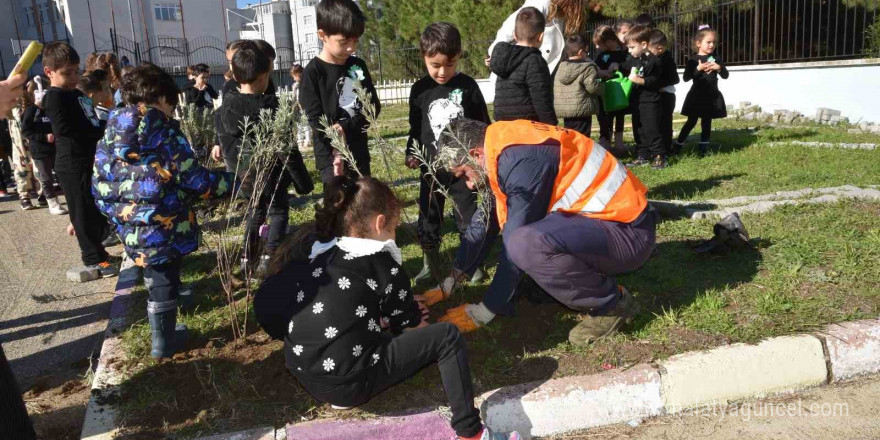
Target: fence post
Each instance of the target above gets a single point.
(379, 49)
(186, 49)
(675, 31)
(113, 42)
(756, 39)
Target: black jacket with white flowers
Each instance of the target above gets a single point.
(331, 310)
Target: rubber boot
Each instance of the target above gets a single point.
(431, 269)
(168, 336)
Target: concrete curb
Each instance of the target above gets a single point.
(100, 419)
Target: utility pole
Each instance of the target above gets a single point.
(92, 26)
(113, 17)
(131, 20)
(225, 22)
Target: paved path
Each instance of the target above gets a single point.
(843, 411)
(46, 322)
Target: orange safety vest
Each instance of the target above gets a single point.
(590, 182)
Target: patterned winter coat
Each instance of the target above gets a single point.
(146, 179)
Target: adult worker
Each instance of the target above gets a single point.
(572, 217)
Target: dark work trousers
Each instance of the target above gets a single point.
(14, 421)
(667, 100)
(432, 203)
(45, 169)
(646, 122)
(163, 280)
(610, 123)
(327, 172)
(574, 258)
(580, 125)
(705, 126)
(273, 204)
(405, 356)
(90, 225)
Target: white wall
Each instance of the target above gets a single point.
(852, 86)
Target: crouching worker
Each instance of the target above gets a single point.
(146, 179)
(337, 295)
(572, 217)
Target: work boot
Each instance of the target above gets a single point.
(55, 208)
(592, 327)
(431, 269)
(167, 335)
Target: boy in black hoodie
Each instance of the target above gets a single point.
(328, 86)
(201, 93)
(251, 68)
(646, 72)
(657, 46)
(524, 89)
(37, 129)
(76, 130)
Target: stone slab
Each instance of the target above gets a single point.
(853, 348)
(265, 433)
(426, 425)
(83, 274)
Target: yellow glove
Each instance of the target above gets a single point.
(459, 317)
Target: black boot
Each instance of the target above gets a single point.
(167, 335)
(431, 270)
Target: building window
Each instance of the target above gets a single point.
(308, 19)
(310, 38)
(167, 12)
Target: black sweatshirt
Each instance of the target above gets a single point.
(327, 90)
(670, 71)
(433, 105)
(236, 107)
(330, 312)
(232, 86)
(604, 59)
(35, 127)
(201, 98)
(650, 68)
(76, 128)
(524, 89)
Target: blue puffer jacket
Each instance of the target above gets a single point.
(146, 179)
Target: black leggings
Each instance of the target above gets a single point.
(609, 121)
(705, 126)
(405, 356)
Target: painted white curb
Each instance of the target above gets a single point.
(741, 371)
(573, 403)
(853, 348)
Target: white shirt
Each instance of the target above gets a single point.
(554, 38)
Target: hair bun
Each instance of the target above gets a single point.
(703, 27)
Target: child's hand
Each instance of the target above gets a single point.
(613, 67)
(339, 130)
(715, 66)
(70, 231)
(338, 165)
(701, 66)
(50, 138)
(633, 76)
(412, 162)
(216, 154)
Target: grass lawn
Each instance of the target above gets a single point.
(810, 265)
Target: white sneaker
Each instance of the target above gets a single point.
(55, 207)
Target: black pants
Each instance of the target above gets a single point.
(274, 205)
(405, 356)
(327, 172)
(580, 125)
(705, 126)
(609, 121)
(90, 225)
(667, 101)
(163, 280)
(45, 168)
(432, 203)
(646, 122)
(14, 421)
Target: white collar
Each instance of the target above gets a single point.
(358, 247)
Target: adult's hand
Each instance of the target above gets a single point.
(10, 91)
(216, 154)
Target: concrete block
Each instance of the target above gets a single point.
(753, 109)
(427, 425)
(742, 371)
(574, 403)
(83, 274)
(265, 433)
(833, 113)
(853, 348)
(744, 104)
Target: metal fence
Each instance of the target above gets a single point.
(771, 31)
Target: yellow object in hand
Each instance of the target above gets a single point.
(27, 58)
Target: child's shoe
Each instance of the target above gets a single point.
(640, 161)
(55, 208)
(487, 434)
(106, 269)
(41, 201)
(3, 192)
(676, 147)
(26, 205)
(167, 335)
(659, 162)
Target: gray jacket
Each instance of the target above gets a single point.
(577, 89)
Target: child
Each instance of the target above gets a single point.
(251, 70)
(328, 86)
(621, 28)
(96, 85)
(646, 73)
(23, 170)
(524, 89)
(37, 129)
(117, 96)
(304, 134)
(611, 57)
(146, 180)
(704, 100)
(577, 87)
(262, 45)
(657, 46)
(439, 97)
(201, 93)
(76, 130)
(350, 282)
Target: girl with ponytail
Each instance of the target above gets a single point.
(337, 295)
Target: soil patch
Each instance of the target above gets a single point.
(57, 403)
